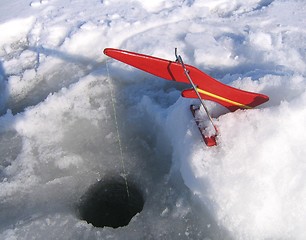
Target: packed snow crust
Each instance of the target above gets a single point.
(59, 96)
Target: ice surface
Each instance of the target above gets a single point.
(58, 132)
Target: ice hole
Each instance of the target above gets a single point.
(108, 203)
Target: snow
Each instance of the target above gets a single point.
(58, 131)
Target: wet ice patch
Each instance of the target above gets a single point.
(15, 66)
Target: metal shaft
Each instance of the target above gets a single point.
(180, 60)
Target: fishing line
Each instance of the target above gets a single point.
(117, 130)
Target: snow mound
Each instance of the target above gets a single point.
(62, 102)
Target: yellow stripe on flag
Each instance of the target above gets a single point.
(223, 99)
